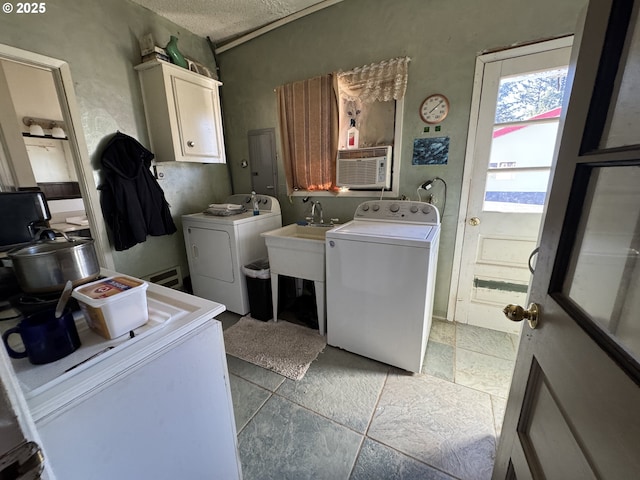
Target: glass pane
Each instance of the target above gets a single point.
(604, 272)
(531, 96)
(513, 191)
(519, 167)
(523, 146)
(625, 115)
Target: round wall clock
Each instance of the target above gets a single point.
(434, 108)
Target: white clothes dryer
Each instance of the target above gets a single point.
(380, 274)
(219, 246)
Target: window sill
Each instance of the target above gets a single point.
(348, 193)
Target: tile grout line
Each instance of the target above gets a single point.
(253, 416)
(365, 435)
(259, 408)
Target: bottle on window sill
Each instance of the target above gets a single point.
(254, 203)
(353, 135)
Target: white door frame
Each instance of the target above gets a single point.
(77, 144)
(481, 62)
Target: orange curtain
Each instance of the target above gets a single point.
(308, 115)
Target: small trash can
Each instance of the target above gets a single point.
(258, 278)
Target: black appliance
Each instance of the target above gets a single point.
(22, 214)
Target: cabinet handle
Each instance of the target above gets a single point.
(191, 143)
(194, 248)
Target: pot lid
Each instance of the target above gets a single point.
(46, 247)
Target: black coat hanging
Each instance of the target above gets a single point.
(133, 204)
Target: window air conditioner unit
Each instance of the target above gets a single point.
(364, 168)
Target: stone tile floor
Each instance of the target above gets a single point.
(355, 418)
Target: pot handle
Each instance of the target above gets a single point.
(40, 231)
(5, 338)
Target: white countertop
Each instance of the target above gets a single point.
(172, 314)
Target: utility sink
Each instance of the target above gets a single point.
(300, 231)
(298, 251)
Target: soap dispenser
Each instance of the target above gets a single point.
(255, 204)
(353, 135)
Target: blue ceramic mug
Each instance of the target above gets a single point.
(45, 337)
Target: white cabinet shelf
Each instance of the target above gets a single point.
(183, 113)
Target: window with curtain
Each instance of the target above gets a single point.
(308, 114)
(315, 114)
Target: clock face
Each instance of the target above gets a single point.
(434, 108)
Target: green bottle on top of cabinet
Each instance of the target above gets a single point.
(174, 53)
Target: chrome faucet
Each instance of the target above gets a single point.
(316, 206)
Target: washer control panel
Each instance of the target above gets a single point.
(406, 211)
(265, 202)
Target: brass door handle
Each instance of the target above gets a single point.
(474, 221)
(516, 313)
(24, 462)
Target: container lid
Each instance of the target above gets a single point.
(107, 289)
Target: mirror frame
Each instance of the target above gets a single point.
(77, 144)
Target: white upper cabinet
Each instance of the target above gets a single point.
(183, 113)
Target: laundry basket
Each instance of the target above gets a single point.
(258, 278)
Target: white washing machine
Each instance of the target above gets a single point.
(380, 275)
(219, 246)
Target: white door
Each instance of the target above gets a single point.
(573, 407)
(263, 161)
(510, 154)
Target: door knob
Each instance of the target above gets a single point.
(26, 461)
(474, 221)
(516, 313)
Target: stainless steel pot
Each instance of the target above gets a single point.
(46, 266)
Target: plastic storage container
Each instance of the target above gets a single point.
(259, 289)
(113, 306)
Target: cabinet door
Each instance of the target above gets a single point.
(198, 116)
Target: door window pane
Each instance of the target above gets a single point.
(513, 191)
(519, 166)
(534, 95)
(523, 146)
(603, 278)
(625, 113)
(524, 137)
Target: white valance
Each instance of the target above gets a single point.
(382, 81)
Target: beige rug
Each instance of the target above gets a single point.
(282, 347)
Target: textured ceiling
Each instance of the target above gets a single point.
(224, 19)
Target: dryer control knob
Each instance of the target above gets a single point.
(414, 209)
(426, 209)
(394, 207)
(365, 207)
(375, 207)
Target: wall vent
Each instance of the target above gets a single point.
(172, 278)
